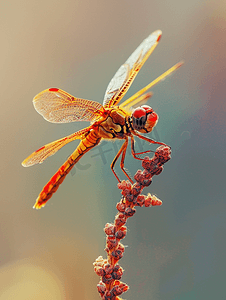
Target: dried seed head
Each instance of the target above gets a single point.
(121, 206)
(129, 212)
(120, 220)
(120, 234)
(140, 200)
(109, 229)
(101, 288)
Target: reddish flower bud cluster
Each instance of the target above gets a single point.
(113, 247)
(110, 286)
(117, 289)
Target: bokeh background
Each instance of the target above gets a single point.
(176, 251)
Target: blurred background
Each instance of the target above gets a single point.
(176, 251)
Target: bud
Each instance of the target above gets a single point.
(109, 229)
(101, 288)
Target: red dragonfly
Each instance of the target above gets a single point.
(107, 121)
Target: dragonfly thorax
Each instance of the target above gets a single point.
(144, 118)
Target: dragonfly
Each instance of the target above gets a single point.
(108, 121)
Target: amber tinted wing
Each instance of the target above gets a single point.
(41, 154)
(57, 106)
(140, 96)
(125, 75)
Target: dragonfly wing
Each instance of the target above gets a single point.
(41, 154)
(57, 106)
(136, 98)
(137, 101)
(125, 75)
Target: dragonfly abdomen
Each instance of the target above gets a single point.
(90, 141)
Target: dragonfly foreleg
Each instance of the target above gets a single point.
(122, 162)
(122, 151)
(147, 139)
(133, 149)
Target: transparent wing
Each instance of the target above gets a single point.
(57, 106)
(125, 75)
(41, 154)
(137, 101)
(139, 96)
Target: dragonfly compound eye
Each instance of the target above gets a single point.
(152, 119)
(144, 118)
(147, 108)
(139, 118)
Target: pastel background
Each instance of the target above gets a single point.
(176, 251)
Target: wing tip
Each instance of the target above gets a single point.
(52, 89)
(24, 163)
(28, 162)
(36, 97)
(180, 63)
(158, 33)
(158, 38)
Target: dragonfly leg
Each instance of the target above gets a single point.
(123, 151)
(147, 139)
(133, 149)
(122, 162)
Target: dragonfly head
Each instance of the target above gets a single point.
(144, 119)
